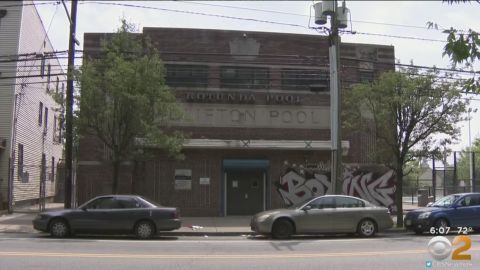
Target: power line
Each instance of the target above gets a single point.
(394, 36)
(309, 15)
(31, 4)
(195, 13)
(32, 76)
(34, 59)
(254, 20)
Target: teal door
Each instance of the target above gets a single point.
(244, 191)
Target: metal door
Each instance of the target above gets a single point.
(245, 191)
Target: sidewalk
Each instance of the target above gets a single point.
(21, 222)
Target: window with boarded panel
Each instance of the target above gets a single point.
(304, 79)
(244, 77)
(186, 75)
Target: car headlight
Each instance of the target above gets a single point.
(41, 216)
(263, 217)
(424, 215)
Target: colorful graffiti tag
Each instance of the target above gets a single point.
(296, 187)
(373, 183)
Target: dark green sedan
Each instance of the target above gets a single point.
(112, 214)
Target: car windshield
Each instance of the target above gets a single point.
(446, 201)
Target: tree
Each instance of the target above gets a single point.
(124, 101)
(463, 47)
(408, 112)
(463, 163)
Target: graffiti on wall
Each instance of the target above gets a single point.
(296, 187)
(373, 183)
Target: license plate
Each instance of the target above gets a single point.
(408, 222)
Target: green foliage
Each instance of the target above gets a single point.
(407, 111)
(412, 115)
(463, 163)
(124, 97)
(463, 48)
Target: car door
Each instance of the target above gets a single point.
(127, 211)
(346, 214)
(466, 212)
(92, 217)
(317, 218)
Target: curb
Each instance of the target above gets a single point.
(206, 234)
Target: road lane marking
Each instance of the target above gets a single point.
(246, 240)
(216, 256)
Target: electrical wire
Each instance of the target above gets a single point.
(31, 4)
(193, 13)
(309, 15)
(256, 20)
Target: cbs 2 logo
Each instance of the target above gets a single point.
(440, 247)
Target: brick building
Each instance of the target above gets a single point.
(259, 119)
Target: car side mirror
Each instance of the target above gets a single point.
(83, 208)
(307, 207)
(429, 204)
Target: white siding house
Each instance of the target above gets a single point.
(29, 117)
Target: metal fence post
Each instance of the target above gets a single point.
(434, 180)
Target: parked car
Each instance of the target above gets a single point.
(110, 214)
(456, 210)
(324, 214)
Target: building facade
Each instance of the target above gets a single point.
(30, 119)
(258, 120)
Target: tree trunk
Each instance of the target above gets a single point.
(116, 167)
(399, 195)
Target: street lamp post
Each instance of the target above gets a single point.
(338, 19)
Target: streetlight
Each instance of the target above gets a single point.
(338, 19)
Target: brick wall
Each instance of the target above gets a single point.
(154, 178)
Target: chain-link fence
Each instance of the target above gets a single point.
(457, 173)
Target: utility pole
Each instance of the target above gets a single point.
(338, 19)
(69, 107)
(335, 102)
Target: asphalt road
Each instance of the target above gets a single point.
(396, 251)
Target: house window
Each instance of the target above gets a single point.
(52, 176)
(42, 66)
(40, 113)
(44, 169)
(20, 162)
(303, 79)
(186, 75)
(365, 76)
(54, 128)
(48, 77)
(244, 77)
(46, 119)
(56, 86)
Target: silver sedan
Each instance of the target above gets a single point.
(324, 214)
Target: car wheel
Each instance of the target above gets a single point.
(282, 229)
(144, 230)
(59, 228)
(441, 223)
(366, 228)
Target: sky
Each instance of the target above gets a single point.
(375, 22)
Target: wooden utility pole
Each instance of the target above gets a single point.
(69, 108)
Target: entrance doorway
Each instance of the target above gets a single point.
(245, 186)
